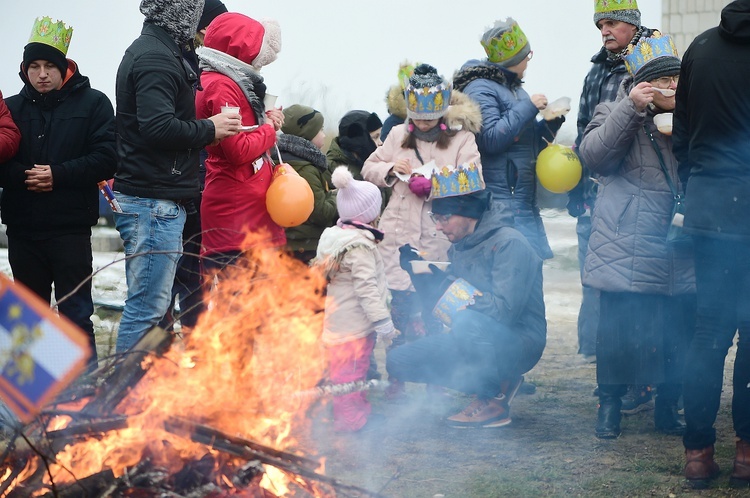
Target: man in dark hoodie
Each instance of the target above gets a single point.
(711, 142)
(50, 196)
(159, 142)
(501, 334)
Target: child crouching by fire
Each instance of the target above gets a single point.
(357, 300)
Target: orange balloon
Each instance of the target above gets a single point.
(289, 199)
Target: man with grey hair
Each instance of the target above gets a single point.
(159, 141)
(620, 26)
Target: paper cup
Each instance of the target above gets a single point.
(269, 101)
(663, 123)
(422, 266)
(230, 109)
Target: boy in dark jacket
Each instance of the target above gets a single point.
(50, 196)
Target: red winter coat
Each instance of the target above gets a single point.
(238, 172)
(10, 137)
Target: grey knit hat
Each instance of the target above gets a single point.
(617, 10)
(662, 66)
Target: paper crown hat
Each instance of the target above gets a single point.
(617, 10)
(504, 42)
(450, 181)
(55, 34)
(647, 50)
(427, 94)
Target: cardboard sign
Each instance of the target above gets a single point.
(40, 352)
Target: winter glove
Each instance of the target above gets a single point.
(576, 206)
(386, 332)
(407, 254)
(420, 186)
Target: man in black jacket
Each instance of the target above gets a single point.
(158, 143)
(712, 143)
(50, 195)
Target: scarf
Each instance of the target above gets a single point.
(431, 135)
(246, 77)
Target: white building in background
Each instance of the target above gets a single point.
(686, 19)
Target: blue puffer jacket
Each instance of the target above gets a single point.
(509, 142)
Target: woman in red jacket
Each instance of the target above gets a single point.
(9, 134)
(238, 170)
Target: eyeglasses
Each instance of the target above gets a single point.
(439, 218)
(665, 81)
(530, 56)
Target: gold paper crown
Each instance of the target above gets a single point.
(55, 34)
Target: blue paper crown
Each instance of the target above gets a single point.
(647, 49)
(427, 103)
(450, 181)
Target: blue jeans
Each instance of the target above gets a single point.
(722, 277)
(475, 357)
(151, 230)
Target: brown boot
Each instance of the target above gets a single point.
(700, 467)
(740, 477)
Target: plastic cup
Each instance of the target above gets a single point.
(663, 123)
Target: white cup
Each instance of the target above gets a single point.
(230, 109)
(269, 101)
(663, 122)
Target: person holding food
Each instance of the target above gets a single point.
(439, 132)
(647, 282)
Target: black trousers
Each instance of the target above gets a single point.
(65, 261)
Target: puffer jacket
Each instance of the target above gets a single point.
(72, 130)
(509, 142)
(406, 218)
(499, 261)
(357, 296)
(310, 163)
(628, 249)
(9, 134)
(158, 137)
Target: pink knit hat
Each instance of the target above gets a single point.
(356, 200)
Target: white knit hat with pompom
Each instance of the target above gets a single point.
(356, 200)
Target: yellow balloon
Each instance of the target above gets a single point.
(289, 199)
(558, 168)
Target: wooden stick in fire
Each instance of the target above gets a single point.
(342, 389)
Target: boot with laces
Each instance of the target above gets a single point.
(482, 412)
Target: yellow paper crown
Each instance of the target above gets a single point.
(55, 34)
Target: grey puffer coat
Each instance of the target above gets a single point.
(628, 251)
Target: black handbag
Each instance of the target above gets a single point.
(675, 234)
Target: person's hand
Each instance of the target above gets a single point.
(420, 186)
(39, 178)
(225, 125)
(407, 254)
(539, 100)
(402, 167)
(576, 206)
(276, 118)
(642, 95)
(386, 332)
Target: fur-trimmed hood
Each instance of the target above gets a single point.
(463, 113)
(396, 101)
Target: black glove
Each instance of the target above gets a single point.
(576, 206)
(407, 254)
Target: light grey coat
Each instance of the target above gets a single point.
(628, 251)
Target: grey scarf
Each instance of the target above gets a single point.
(246, 77)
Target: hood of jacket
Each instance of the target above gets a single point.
(485, 70)
(396, 102)
(735, 22)
(335, 242)
(463, 113)
(491, 221)
(179, 18)
(72, 82)
(295, 147)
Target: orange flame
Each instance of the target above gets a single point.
(257, 344)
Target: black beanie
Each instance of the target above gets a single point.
(41, 51)
(211, 10)
(656, 68)
(469, 205)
